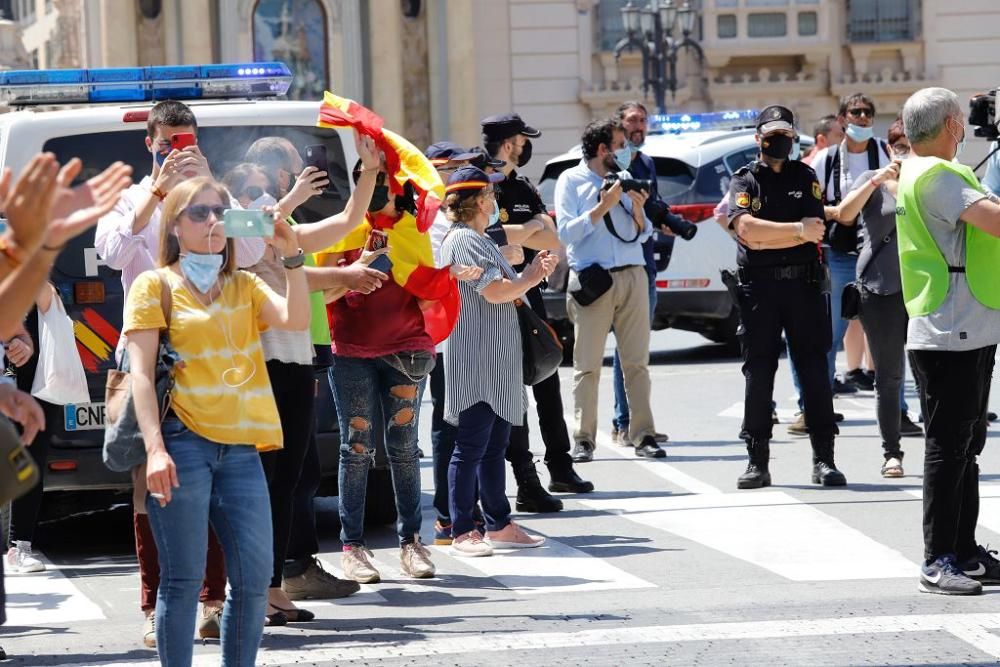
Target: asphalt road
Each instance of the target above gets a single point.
(664, 564)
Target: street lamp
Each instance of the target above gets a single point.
(651, 30)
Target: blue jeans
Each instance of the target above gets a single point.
(360, 387)
(224, 485)
(621, 418)
(480, 443)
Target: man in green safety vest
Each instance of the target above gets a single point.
(949, 253)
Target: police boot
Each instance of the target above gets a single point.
(824, 469)
(531, 495)
(757, 474)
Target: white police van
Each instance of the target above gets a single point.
(695, 156)
(99, 115)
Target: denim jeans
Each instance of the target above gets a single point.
(621, 418)
(361, 386)
(480, 442)
(224, 485)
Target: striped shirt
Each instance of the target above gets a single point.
(482, 357)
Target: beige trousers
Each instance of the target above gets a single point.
(626, 308)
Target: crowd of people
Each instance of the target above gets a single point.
(883, 245)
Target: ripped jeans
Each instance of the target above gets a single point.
(360, 387)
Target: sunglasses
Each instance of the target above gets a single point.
(861, 111)
(200, 212)
(254, 192)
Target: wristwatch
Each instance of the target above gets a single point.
(295, 261)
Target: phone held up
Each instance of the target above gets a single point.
(240, 222)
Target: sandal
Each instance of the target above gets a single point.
(275, 619)
(295, 615)
(892, 468)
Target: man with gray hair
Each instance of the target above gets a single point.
(949, 248)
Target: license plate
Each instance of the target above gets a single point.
(84, 417)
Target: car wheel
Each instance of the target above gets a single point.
(380, 498)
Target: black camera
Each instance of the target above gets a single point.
(983, 115)
(629, 184)
(659, 214)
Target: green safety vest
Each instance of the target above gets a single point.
(923, 268)
(319, 327)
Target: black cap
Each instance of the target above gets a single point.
(775, 117)
(505, 126)
(483, 160)
(446, 151)
(468, 180)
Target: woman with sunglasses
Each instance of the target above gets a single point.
(871, 203)
(485, 394)
(202, 462)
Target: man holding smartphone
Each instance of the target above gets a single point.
(128, 239)
(524, 222)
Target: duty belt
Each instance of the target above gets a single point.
(622, 268)
(793, 272)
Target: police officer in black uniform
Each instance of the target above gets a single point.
(525, 222)
(776, 210)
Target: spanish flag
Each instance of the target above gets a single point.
(403, 161)
(409, 245)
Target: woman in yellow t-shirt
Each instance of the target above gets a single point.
(202, 463)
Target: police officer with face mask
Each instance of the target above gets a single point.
(776, 210)
(525, 223)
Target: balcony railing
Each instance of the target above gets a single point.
(883, 20)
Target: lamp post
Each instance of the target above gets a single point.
(651, 30)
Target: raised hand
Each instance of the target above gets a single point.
(76, 209)
(29, 202)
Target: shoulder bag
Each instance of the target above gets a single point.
(841, 237)
(124, 448)
(850, 298)
(541, 351)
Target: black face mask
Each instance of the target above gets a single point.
(776, 146)
(380, 197)
(525, 155)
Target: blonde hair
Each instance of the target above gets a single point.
(462, 209)
(175, 204)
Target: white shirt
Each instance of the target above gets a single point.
(856, 164)
(439, 229)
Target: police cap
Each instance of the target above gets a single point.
(775, 117)
(505, 126)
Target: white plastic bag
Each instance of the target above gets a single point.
(60, 377)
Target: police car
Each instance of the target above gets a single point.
(695, 157)
(99, 115)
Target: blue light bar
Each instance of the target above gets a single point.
(138, 84)
(700, 122)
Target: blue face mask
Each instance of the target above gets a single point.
(201, 270)
(495, 215)
(796, 151)
(161, 157)
(858, 133)
(623, 157)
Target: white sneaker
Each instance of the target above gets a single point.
(356, 565)
(20, 561)
(415, 561)
(470, 545)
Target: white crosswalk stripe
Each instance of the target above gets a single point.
(47, 598)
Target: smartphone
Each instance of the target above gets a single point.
(242, 222)
(182, 140)
(316, 157)
(377, 239)
(381, 263)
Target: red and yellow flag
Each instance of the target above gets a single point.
(403, 161)
(409, 245)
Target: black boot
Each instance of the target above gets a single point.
(531, 495)
(824, 469)
(565, 480)
(757, 474)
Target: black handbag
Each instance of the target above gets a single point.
(542, 353)
(591, 284)
(841, 237)
(850, 297)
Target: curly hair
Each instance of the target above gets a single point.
(463, 208)
(597, 133)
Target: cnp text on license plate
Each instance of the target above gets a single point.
(84, 417)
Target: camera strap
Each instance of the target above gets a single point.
(611, 226)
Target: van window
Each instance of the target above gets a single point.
(224, 147)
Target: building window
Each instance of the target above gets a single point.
(610, 29)
(7, 10)
(807, 24)
(726, 3)
(883, 20)
(24, 11)
(772, 24)
(294, 32)
(767, 3)
(726, 25)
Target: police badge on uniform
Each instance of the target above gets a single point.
(755, 204)
(742, 199)
(817, 193)
(504, 216)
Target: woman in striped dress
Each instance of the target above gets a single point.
(483, 377)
